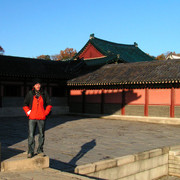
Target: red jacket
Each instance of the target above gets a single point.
(37, 106)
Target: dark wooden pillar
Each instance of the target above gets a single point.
(123, 102)
(47, 86)
(1, 95)
(102, 101)
(68, 96)
(146, 113)
(25, 88)
(83, 101)
(172, 102)
(22, 90)
(50, 91)
(2, 90)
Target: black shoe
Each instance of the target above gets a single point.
(30, 155)
(41, 154)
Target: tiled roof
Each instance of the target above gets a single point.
(154, 72)
(28, 67)
(127, 53)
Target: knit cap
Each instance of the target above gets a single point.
(36, 81)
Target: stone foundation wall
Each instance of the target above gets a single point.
(12, 106)
(93, 108)
(177, 111)
(12, 101)
(134, 110)
(75, 107)
(159, 111)
(112, 109)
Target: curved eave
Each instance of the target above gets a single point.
(81, 50)
(125, 83)
(46, 76)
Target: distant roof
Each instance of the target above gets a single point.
(122, 52)
(172, 56)
(11, 66)
(154, 72)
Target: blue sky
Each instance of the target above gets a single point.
(29, 28)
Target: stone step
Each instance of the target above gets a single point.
(21, 162)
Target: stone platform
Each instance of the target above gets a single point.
(21, 162)
(15, 165)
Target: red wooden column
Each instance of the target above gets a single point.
(123, 102)
(172, 102)
(146, 113)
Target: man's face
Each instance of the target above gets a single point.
(37, 86)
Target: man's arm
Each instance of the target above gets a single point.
(26, 104)
(48, 102)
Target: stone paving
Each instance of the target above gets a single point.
(75, 140)
(44, 174)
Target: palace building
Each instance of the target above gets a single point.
(98, 52)
(102, 78)
(135, 89)
(16, 77)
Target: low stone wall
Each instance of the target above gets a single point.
(146, 165)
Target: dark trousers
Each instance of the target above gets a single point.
(31, 138)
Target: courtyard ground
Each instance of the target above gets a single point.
(76, 140)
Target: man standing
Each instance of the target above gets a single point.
(37, 105)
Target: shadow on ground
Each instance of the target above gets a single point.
(71, 165)
(14, 130)
(7, 153)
